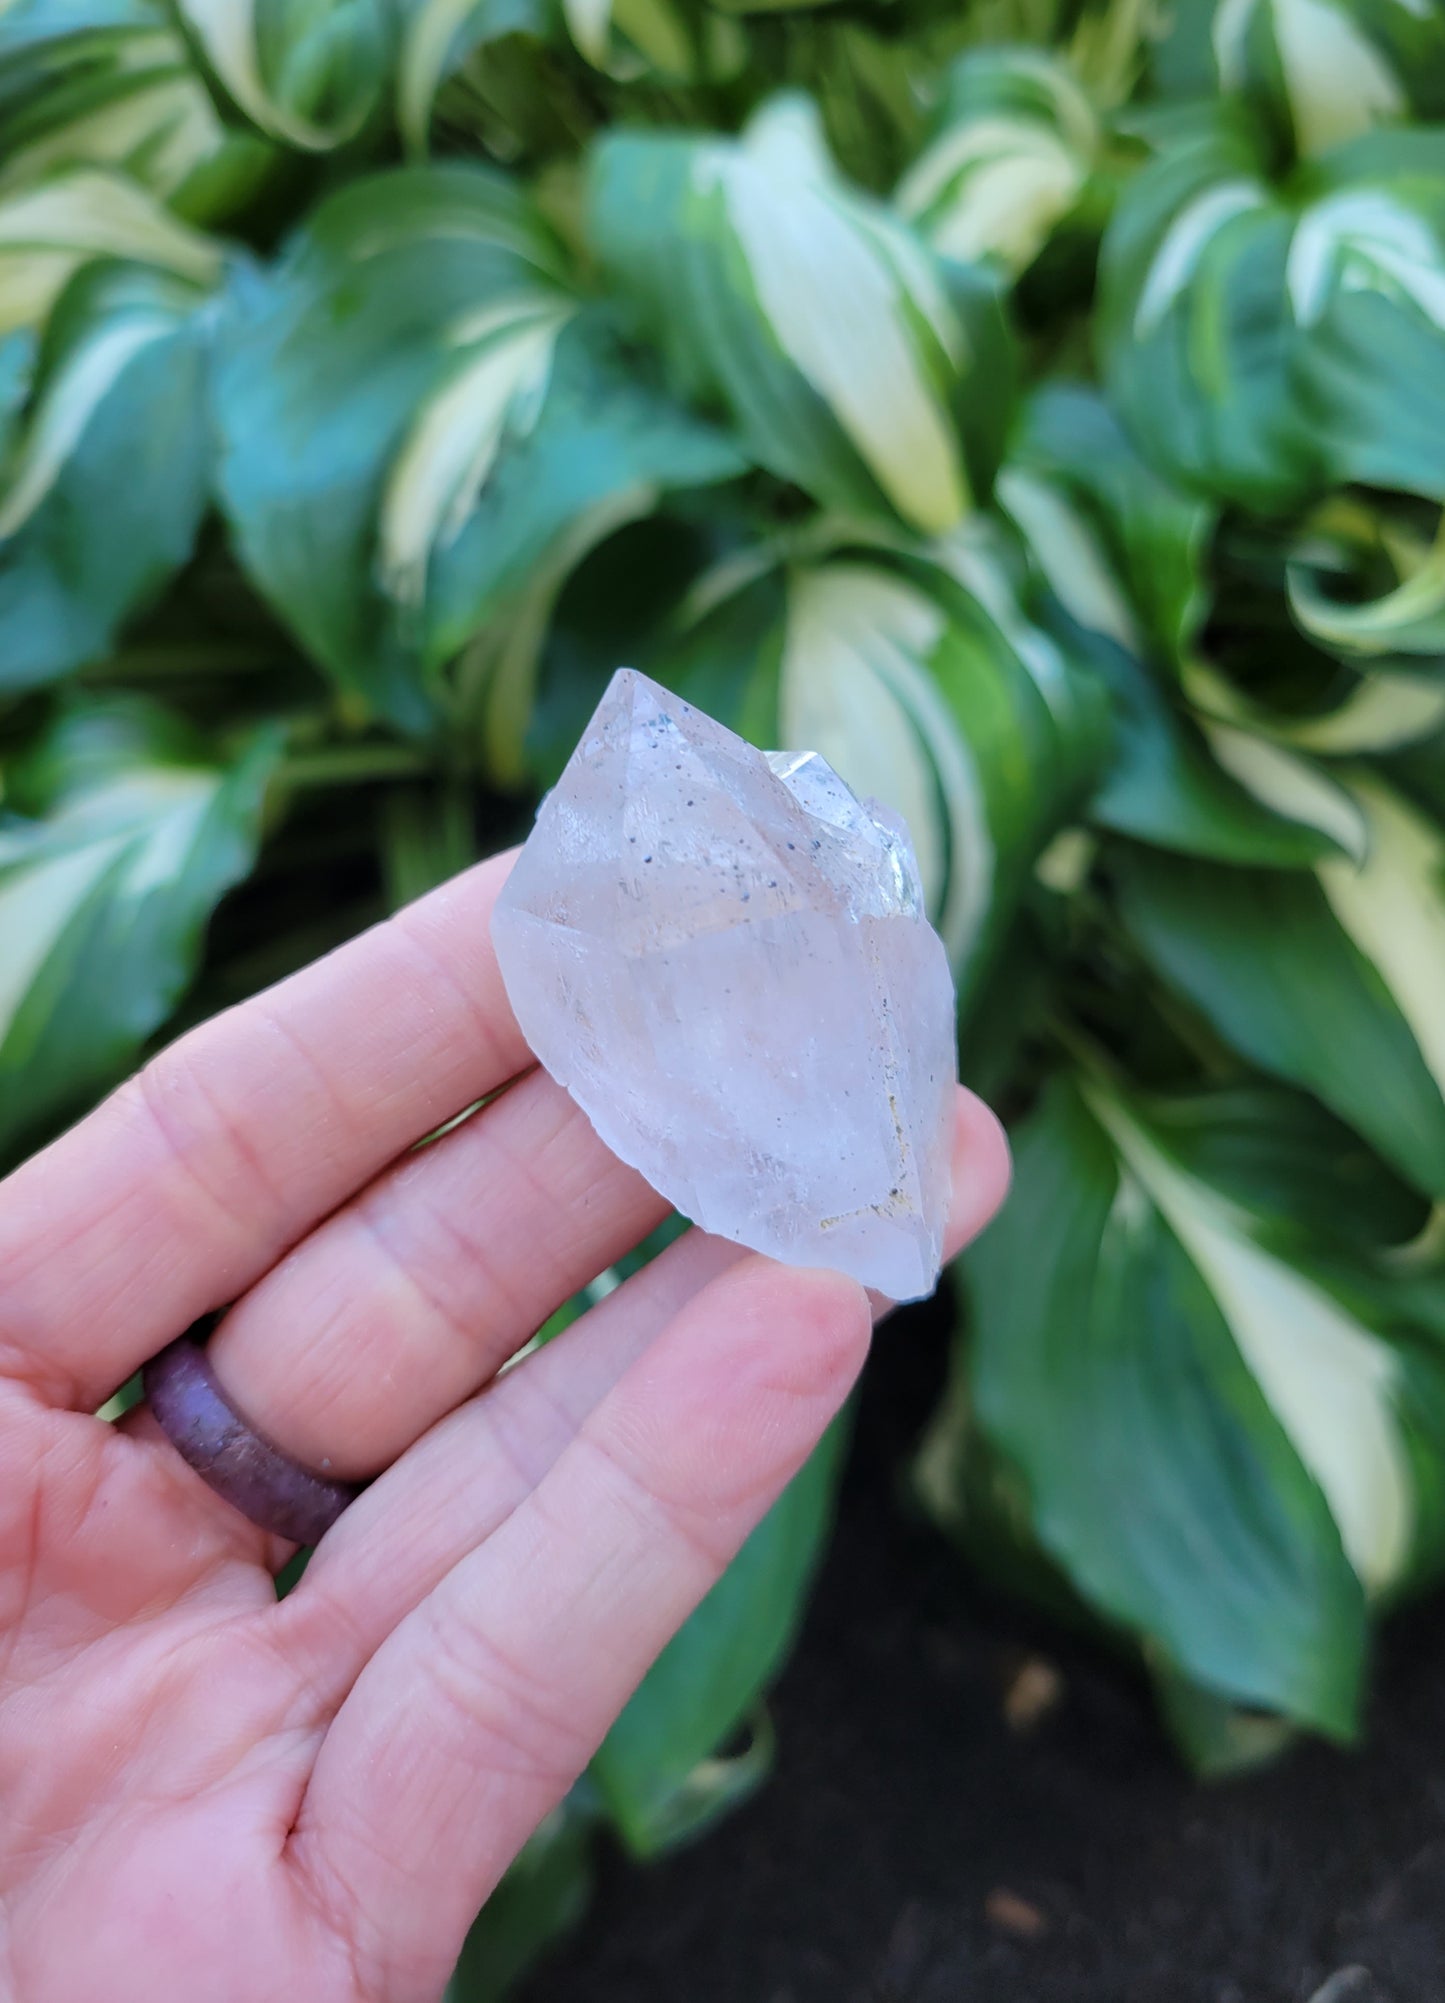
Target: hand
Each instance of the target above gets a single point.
(207, 1794)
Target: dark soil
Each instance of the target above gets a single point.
(913, 1847)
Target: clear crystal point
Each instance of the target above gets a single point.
(723, 956)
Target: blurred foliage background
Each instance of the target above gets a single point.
(1037, 406)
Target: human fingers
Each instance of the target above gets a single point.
(456, 1486)
(414, 1294)
(480, 1710)
(410, 1298)
(189, 1182)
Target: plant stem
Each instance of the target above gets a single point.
(352, 765)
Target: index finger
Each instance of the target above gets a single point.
(191, 1181)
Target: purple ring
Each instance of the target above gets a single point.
(240, 1464)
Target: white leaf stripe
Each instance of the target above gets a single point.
(136, 831)
(422, 64)
(46, 233)
(1069, 554)
(1185, 242)
(1393, 908)
(835, 285)
(455, 437)
(1384, 712)
(1228, 31)
(1330, 1381)
(1337, 82)
(856, 686)
(1363, 237)
(1011, 160)
(971, 555)
(1289, 785)
(589, 23)
(226, 30)
(160, 130)
(1004, 205)
(37, 902)
(1380, 626)
(70, 401)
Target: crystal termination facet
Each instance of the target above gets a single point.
(724, 957)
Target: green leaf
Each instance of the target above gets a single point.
(1294, 1167)
(1220, 1740)
(115, 429)
(1366, 283)
(859, 682)
(662, 1772)
(1011, 150)
(1088, 503)
(1128, 1316)
(1060, 709)
(1193, 320)
(133, 833)
(1395, 610)
(308, 73)
(1379, 711)
(848, 356)
(1324, 70)
(1265, 350)
(437, 38)
(544, 1894)
(915, 672)
(48, 232)
(83, 82)
(1166, 786)
(1339, 1010)
(418, 417)
(627, 39)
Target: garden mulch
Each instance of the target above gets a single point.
(939, 1831)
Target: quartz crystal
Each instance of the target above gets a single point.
(724, 957)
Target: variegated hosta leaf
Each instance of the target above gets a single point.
(308, 73)
(1145, 1303)
(437, 37)
(1122, 550)
(1380, 711)
(1392, 603)
(49, 231)
(633, 38)
(977, 732)
(1328, 70)
(125, 833)
(1193, 267)
(115, 87)
(113, 433)
(1205, 789)
(857, 684)
(1113, 545)
(1268, 352)
(854, 362)
(625, 39)
(417, 414)
(1010, 153)
(1332, 982)
(919, 678)
(1366, 287)
(664, 1772)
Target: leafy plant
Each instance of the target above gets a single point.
(1039, 407)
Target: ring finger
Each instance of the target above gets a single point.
(421, 1287)
(413, 1295)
